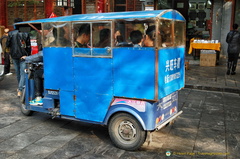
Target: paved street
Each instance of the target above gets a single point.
(208, 128)
(213, 78)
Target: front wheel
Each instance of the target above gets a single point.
(25, 111)
(23, 106)
(126, 132)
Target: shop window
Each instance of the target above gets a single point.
(27, 10)
(165, 4)
(65, 3)
(120, 5)
(90, 6)
(237, 12)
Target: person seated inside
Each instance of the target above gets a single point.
(38, 77)
(120, 42)
(83, 36)
(118, 37)
(47, 37)
(59, 39)
(104, 38)
(150, 36)
(136, 37)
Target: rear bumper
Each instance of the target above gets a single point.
(167, 121)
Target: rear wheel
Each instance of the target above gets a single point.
(126, 132)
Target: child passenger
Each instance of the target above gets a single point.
(136, 37)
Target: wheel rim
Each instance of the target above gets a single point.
(127, 131)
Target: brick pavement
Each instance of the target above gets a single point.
(212, 78)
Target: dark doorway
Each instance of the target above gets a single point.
(77, 7)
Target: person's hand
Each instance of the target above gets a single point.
(23, 57)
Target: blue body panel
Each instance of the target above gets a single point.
(67, 103)
(30, 89)
(164, 109)
(149, 114)
(171, 70)
(93, 87)
(134, 72)
(58, 68)
(58, 75)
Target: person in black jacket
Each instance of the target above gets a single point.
(233, 40)
(7, 63)
(19, 44)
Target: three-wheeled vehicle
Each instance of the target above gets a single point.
(132, 90)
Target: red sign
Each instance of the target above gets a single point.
(52, 15)
(100, 6)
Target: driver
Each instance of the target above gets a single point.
(38, 77)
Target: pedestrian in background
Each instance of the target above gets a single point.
(233, 40)
(6, 55)
(19, 44)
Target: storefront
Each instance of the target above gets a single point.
(237, 12)
(27, 10)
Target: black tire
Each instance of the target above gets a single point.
(22, 97)
(126, 132)
(23, 107)
(25, 111)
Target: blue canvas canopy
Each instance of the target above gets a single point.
(165, 14)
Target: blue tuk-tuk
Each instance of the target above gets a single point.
(132, 90)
